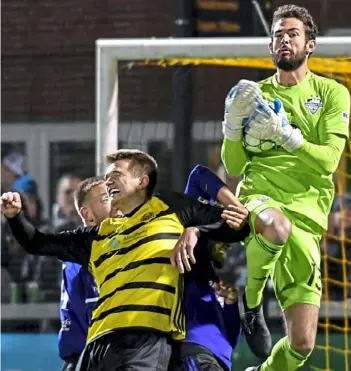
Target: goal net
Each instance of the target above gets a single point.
(165, 96)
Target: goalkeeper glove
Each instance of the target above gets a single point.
(239, 103)
(268, 124)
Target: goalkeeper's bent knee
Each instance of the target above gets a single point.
(274, 226)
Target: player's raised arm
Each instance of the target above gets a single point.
(239, 104)
(74, 246)
(205, 184)
(194, 186)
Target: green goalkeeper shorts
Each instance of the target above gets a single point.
(296, 275)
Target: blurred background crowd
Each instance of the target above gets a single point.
(27, 278)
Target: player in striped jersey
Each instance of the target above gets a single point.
(140, 304)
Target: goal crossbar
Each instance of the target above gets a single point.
(165, 48)
(110, 51)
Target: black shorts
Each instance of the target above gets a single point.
(193, 357)
(131, 350)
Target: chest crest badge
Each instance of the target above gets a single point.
(314, 104)
(147, 217)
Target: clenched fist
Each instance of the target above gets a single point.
(11, 204)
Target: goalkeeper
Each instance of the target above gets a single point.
(288, 189)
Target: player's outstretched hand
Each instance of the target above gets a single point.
(236, 216)
(229, 293)
(239, 104)
(11, 204)
(184, 249)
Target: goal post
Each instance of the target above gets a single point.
(110, 51)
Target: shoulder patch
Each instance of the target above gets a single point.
(345, 118)
(314, 104)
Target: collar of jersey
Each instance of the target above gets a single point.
(135, 210)
(300, 85)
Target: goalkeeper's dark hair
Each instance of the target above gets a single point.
(298, 12)
(143, 164)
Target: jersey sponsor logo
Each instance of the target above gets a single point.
(65, 325)
(314, 104)
(113, 243)
(345, 118)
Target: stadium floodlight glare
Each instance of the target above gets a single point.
(110, 51)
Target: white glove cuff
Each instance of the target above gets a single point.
(231, 134)
(291, 138)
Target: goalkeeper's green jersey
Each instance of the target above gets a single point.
(319, 107)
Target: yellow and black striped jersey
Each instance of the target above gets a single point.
(130, 260)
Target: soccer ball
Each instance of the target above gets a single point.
(255, 145)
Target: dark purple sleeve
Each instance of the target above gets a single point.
(203, 183)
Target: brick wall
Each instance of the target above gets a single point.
(48, 58)
(48, 51)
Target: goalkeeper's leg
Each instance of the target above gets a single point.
(270, 230)
(297, 283)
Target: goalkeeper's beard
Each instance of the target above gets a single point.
(290, 64)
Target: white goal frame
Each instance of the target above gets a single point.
(110, 51)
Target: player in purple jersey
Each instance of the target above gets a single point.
(212, 312)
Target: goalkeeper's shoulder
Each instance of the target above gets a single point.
(329, 87)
